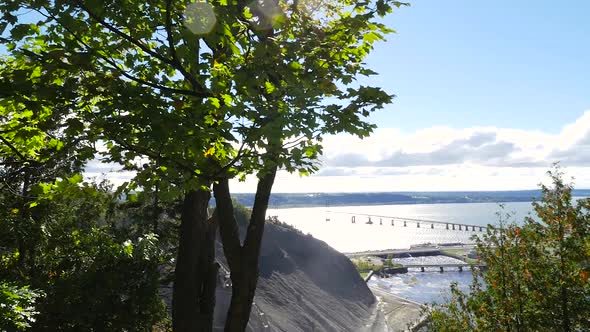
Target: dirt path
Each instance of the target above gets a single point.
(393, 313)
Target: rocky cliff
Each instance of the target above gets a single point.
(304, 285)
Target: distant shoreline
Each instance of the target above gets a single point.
(303, 200)
(394, 203)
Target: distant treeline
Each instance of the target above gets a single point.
(284, 200)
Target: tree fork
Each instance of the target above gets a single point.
(242, 260)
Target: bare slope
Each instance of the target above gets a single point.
(304, 285)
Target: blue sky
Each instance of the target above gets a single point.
(489, 95)
(517, 64)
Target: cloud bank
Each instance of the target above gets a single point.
(443, 158)
(435, 159)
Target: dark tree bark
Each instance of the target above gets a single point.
(242, 259)
(193, 299)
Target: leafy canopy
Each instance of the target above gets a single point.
(183, 106)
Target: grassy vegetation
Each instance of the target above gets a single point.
(275, 220)
(366, 264)
(460, 253)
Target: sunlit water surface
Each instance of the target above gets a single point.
(422, 287)
(333, 224)
(425, 287)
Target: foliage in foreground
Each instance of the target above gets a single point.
(17, 306)
(537, 277)
(94, 273)
(201, 92)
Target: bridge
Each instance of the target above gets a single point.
(414, 251)
(442, 267)
(402, 221)
(421, 251)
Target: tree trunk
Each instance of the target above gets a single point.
(243, 290)
(193, 299)
(242, 260)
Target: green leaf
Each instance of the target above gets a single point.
(295, 65)
(132, 197)
(128, 248)
(269, 87)
(215, 102)
(75, 179)
(22, 30)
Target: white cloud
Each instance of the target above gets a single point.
(441, 158)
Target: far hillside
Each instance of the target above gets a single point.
(284, 200)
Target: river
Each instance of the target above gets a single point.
(333, 225)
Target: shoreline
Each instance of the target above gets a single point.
(395, 313)
(408, 202)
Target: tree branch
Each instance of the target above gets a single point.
(14, 149)
(121, 34)
(238, 156)
(228, 226)
(255, 231)
(177, 63)
(113, 65)
(150, 84)
(137, 43)
(157, 156)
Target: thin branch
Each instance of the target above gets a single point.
(14, 149)
(228, 227)
(123, 35)
(157, 156)
(238, 156)
(177, 63)
(151, 84)
(292, 144)
(16, 127)
(146, 49)
(113, 65)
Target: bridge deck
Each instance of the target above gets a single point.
(412, 220)
(437, 265)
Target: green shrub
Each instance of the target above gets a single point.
(537, 272)
(95, 273)
(17, 306)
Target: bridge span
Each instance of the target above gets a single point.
(403, 221)
(441, 268)
(414, 251)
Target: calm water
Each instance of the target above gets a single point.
(421, 287)
(424, 287)
(344, 236)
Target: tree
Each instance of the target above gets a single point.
(91, 276)
(189, 104)
(38, 143)
(537, 272)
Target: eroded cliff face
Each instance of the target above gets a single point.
(304, 285)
